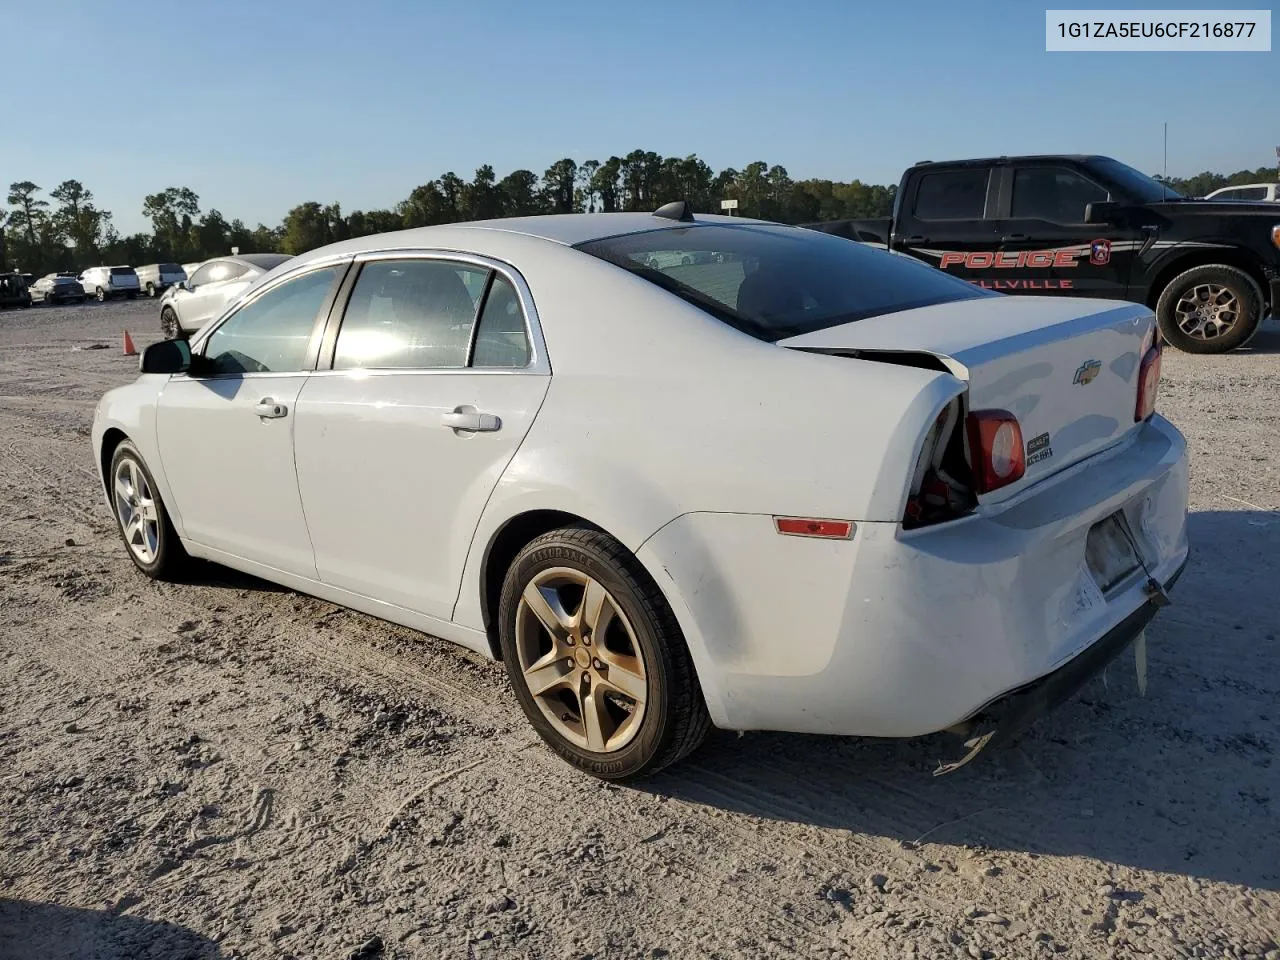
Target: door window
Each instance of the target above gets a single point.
(952, 195)
(501, 337)
(410, 314)
(273, 332)
(1055, 194)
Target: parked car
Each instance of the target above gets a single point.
(13, 291)
(1090, 226)
(28, 279)
(106, 283)
(186, 308)
(55, 288)
(156, 278)
(788, 489)
(1249, 191)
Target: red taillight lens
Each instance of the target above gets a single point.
(1148, 384)
(813, 527)
(995, 447)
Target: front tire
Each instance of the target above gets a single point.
(100, 294)
(141, 517)
(151, 290)
(1209, 309)
(596, 657)
(169, 324)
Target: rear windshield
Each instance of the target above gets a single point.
(170, 268)
(122, 272)
(775, 282)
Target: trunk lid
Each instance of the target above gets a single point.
(1067, 368)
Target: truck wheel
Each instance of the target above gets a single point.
(101, 295)
(1210, 309)
(151, 290)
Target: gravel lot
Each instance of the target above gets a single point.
(223, 768)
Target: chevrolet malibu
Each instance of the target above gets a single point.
(782, 481)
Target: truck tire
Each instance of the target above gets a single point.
(1209, 309)
(101, 295)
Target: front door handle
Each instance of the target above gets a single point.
(1015, 237)
(269, 409)
(915, 239)
(468, 418)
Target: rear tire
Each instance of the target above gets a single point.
(100, 294)
(151, 290)
(638, 646)
(1209, 309)
(141, 517)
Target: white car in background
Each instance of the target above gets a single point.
(1248, 191)
(108, 283)
(156, 278)
(188, 306)
(797, 484)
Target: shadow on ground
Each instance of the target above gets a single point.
(1185, 780)
(46, 931)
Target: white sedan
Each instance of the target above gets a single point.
(795, 484)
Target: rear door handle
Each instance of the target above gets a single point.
(1015, 237)
(269, 409)
(916, 239)
(471, 420)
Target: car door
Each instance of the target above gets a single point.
(946, 221)
(437, 372)
(226, 435)
(1045, 244)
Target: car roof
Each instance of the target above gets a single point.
(568, 229)
(985, 161)
(1243, 186)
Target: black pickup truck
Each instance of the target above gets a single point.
(1090, 226)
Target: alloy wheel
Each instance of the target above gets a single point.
(136, 510)
(1207, 311)
(580, 660)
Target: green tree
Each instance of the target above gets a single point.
(558, 186)
(305, 227)
(519, 193)
(84, 224)
(172, 212)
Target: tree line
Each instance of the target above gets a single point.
(68, 231)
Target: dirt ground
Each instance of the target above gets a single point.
(223, 768)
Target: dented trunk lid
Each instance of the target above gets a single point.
(1066, 367)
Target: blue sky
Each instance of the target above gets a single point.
(261, 105)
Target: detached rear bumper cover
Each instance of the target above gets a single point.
(1007, 718)
(903, 633)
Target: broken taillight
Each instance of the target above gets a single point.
(996, 452)
(1148, 382)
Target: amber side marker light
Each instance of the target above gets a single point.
(811, 527)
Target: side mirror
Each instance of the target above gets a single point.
(1102, 211)
(167, 356)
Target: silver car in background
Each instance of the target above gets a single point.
(187, 307)
(156, 278)
(107, 283)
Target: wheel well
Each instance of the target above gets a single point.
(509, 541)
(110, 440)
(1205, 258)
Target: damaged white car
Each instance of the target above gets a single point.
(676, 472)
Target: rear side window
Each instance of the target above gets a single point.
(952, 195)
(170, 268)
(272, 333)
(501, 340)
(1251, 193)
(1055, 194)
(775, 282)
(410, 314)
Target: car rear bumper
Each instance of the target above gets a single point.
(901, 633)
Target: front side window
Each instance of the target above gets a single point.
(952, 195)
(1055, 194)
(776, 282)
(410, 314)
(1251, 193)
(272, 333)
(202, 275)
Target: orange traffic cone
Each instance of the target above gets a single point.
(129, 350)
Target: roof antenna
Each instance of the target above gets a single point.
(675, 210)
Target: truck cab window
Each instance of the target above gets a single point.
(952, 195)
(1052, 193)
